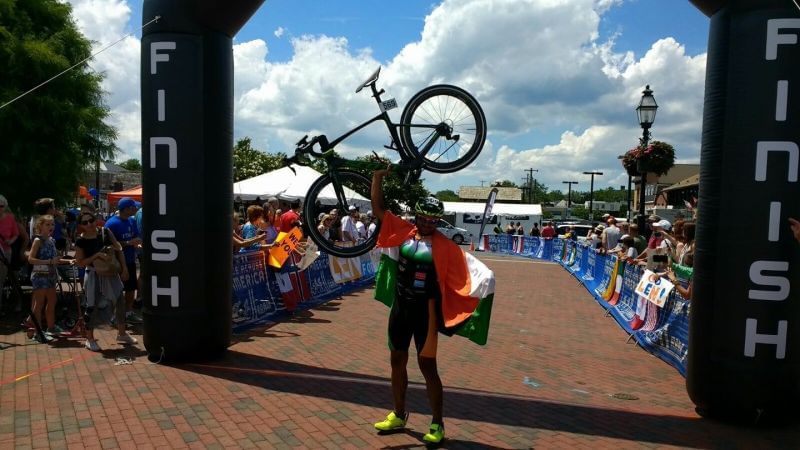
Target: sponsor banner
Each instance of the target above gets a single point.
(478, 218)
(252, 298)
(531, 245)
(261, 294)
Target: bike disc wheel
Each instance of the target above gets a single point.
(451, 106)
(339, 190)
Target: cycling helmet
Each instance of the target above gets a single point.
(429, 206)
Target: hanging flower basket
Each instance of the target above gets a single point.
(657, 158)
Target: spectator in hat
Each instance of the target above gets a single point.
(639, 242)
(124, 228)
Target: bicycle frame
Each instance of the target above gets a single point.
(396, 144)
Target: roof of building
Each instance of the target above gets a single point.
(693, 180)
(512, 209)
(482, 193)
(679, 172)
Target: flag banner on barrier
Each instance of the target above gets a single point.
(654, 288)
(669, 339)
(608, 269)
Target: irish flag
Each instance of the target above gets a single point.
(466, 284)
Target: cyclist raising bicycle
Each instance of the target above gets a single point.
(425, 295)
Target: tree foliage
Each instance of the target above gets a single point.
(397, 195)
(447, 196)
(249, 162)
(504, 183)
(132, 164)
(50, 134)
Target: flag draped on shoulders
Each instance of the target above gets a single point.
(466, 284)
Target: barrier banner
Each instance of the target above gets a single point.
(588, 274)
(625, 310)
(557, 249)
(344, 269)
(320, 279)
(654, 288)
(669, 340)
(608, 270)
(252, 298)
(531, 246)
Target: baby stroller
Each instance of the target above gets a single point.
(69, 314)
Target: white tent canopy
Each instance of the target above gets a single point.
(287, 185)
(503, 209)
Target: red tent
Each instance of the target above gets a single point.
(134, 193)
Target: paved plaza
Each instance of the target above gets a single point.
(556, 373)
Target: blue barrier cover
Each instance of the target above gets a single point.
(588, 278)
(252, 298)
(531, 246)
(669, 340)
(625, 310)
(608, 267)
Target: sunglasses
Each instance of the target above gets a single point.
(87, 222)
(427, 221)
(2, 206)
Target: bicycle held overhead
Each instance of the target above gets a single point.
(442, 129)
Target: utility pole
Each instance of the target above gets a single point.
(531, 186)
(525, 188)
(591, 193)
(482, 183)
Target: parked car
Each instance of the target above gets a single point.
(582, 230)
(457, 234)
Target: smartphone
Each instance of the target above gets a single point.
(659, 258)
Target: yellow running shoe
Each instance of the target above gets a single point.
(435, 435)
(392, 422)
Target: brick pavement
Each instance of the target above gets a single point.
(320, 379)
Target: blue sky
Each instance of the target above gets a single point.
(558, 80)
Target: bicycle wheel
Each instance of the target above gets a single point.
(341, 190)
(449, 109)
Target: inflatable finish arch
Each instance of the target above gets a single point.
(744, 336)
(187, 142)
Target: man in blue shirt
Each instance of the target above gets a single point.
(124, 228)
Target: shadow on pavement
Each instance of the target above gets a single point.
(483, 406)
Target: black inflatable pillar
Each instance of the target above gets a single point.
(187, 142)
(744, 334)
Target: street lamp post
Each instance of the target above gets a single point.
(646, 113)
(628, 197)
(569, 195)
(591, 193)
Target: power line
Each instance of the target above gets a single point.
(78, 63)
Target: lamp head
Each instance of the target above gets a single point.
(646, 110)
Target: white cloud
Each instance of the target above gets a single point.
(538, 68)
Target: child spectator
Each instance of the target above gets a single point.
(44, 276)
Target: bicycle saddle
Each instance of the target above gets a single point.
(371, 80)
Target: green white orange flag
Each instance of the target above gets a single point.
(466, 284)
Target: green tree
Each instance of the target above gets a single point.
(51, 134)
(249, 162)
(132, 164)
(504, 183)
(447, 196)
(396, 193)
